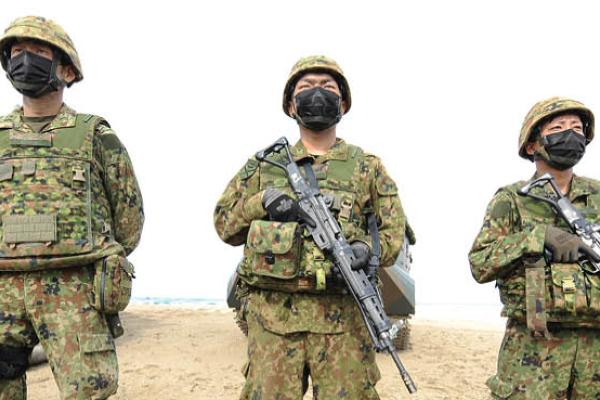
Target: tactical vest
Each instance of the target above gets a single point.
(53, 208)
(559, 293)
(282, 255)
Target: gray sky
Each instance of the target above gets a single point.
(439, 92)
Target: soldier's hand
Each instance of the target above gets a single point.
(566, 247)
(362, 254)
(281, 207)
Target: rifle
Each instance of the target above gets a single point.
(588, 232)
(329, 238)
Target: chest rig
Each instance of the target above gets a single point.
(345, 185)
(46, 194)
(557, 293)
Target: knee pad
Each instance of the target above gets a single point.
(13, 361)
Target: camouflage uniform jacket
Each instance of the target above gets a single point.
(73, 185)
(241, 219)
(511, 240)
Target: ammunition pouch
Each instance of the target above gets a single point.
(574, 292)
(273, 249)
(278, 257)
(111, 288)
(13, 362)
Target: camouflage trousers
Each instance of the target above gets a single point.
(53, 307)
(564, 366)
(340, 366)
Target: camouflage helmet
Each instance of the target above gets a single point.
(544, 109)
(315, 64)
(44, 30)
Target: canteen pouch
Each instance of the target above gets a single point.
(273, 249)
(111, 289)
(569, 289)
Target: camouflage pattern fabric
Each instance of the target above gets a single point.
(369, 186)
(564, 366)
(54, 307)
(45, 30)
(341, 365)
(553, 333)
(356, 181)
(316, 64)
(295, 312)
(61, 166)
(85, 183)
(545, 109)
(513, 235)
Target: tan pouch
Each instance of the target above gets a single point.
(568, 289)
(111, 290)
(273, 249)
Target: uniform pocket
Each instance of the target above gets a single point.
(273, 248)
(568, 289)
(99, 359)
(499, 387)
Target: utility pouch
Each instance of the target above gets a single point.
(111, 290)
(535, 297)
(594, 292)
(569, 289)
(273, 249)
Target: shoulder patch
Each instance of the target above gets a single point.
(501, 209)
(249, 169)
(107, 137)
(386, 186)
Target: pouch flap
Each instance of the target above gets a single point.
(499, 387)
(91, 343)
(564, 272)
(271, 236)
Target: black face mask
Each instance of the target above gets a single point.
(563, 149)
(318, 109)
(33, 75)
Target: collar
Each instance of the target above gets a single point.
(66, 118)
(578, 187)
(339, 151)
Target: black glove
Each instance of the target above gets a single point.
(565, 247)
(281, 207)
(362, 254)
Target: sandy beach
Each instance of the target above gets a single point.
(184, 353)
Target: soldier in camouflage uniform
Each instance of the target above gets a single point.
(300, 321)
(69, 199)
(552, 341)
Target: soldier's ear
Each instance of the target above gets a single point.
(67, 73)
(531, 147)
(344, 106)
(291, 108)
